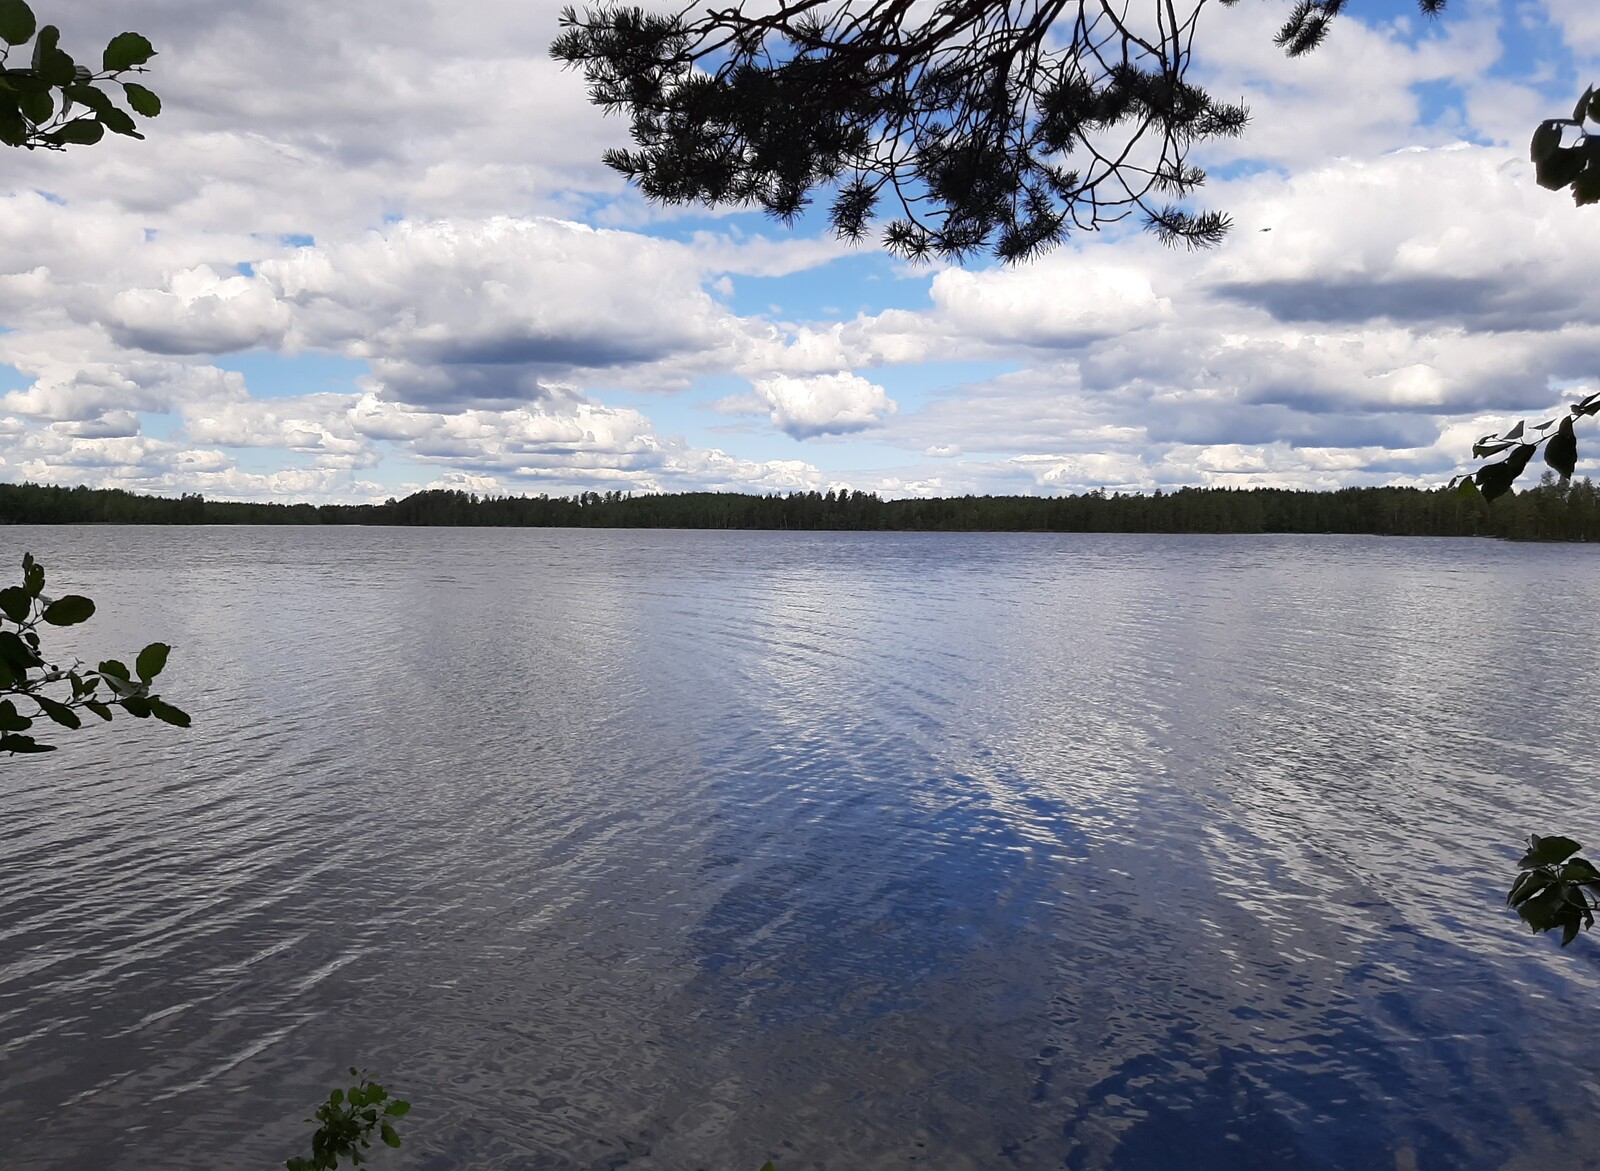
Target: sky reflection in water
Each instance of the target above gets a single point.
(678, 850)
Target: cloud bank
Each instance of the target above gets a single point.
(424, 212)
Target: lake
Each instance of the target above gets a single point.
(672, 850)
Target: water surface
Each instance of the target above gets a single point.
(674, 850)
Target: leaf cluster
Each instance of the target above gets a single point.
(994, 126)
(346, 1123)
(53, 102)
(1555, 889)
(1566, 155)
(26, 678)
(1560, 442)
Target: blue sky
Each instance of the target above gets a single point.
(409, 269)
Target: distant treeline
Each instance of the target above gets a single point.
(1549, 512)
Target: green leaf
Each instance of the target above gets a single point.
(1495, 480)
(1546, 909)
(16, 603)
(25, 82)
(98, 708)
(397, 1109)
(1546, 140)
(1527, 885)
(142, 100)
(59, 712)
(1551, 851)
(1561, 453)
(119, 122)
(152, 660)
(122, 688)
(1580, 870)
(168, 714)
(14, 743)
(69, 611)
(17, 654)
(39, 107)
(1582, 107)
(769, 1165)
(78, 132)
(49, 62)
(13, 127)
(33, 577)
(1586, 187)
(114, 667)
(390, 1138)
(1561, 167)
(8, 678)
(1569, 931)
(90, 96)
(17, 22)
(137, 706)
(11, 720)
(125, 51)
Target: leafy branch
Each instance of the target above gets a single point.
(1556, 889)
(1560, 451)
(1565, 154)
(53, 102)
(26, 677)
(346, 1123)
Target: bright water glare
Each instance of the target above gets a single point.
(672, 850)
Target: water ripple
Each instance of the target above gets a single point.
(683, 850)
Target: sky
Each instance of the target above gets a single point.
(370, 247)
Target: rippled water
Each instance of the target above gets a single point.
(667, 850)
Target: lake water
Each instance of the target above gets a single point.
(669, 850)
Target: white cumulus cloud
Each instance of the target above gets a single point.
(823, 404)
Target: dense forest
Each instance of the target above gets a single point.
(1552, 511)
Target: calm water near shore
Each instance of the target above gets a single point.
(668, 850)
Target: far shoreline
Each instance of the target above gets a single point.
(1551, 511)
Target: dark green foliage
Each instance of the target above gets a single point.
(1565, 154)
(1552, 511)
(347, 1122)
(984, 125)
(1555, 889)
(69, 611)
(1555, 511)
(54, 102)
(1561, 450)
(1556, 433)
(26, 677)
